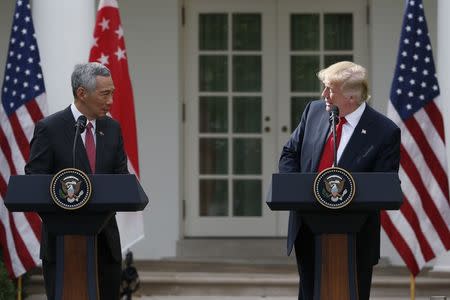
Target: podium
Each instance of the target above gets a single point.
(76, 252)
(335, 229)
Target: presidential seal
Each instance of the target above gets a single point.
(334, 188)
(70, 188)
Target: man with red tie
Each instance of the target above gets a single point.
(366, 140)
(100, 150)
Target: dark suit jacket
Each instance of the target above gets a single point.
(376, 149)
(51, 151)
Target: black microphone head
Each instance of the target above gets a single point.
(81, 123)
(334, 110)
(334, 113)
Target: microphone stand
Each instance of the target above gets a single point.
(333, 123)
(79, 125)
(334, 117)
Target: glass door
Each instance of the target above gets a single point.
(250, 69)
(230, 144)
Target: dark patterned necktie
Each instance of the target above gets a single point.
(90, 146)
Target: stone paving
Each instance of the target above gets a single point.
(42, 297)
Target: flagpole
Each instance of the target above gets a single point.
(412, 286)
(19, 288)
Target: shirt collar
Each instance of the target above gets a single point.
(354, 117)
(76, 114)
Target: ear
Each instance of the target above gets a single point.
(81, 93)
(352, 99)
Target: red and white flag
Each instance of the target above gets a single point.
(109, 49)
(23, 104)
(420, 230)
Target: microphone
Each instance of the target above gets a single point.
(334, 114)
(80, 125)
(334, 119)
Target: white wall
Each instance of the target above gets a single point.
(443, 48)
(6, 14)
(152, 39)
(386, 21)
(64, 31)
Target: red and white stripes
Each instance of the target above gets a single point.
(420, 230)
(19, 232)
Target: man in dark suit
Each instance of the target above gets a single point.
(369, 142)
(51, 151)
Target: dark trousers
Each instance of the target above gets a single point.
(109, 275)
(304, 253)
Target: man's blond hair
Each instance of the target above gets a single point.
(353, 78)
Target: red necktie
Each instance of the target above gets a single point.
(328, 152)
(90, 146)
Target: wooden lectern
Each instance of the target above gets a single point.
(335, 230)
(76, 253)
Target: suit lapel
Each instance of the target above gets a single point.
(359, 139)
(82, 161)
(322, 133)
(99, 144)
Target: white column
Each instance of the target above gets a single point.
(64, 31)
(442, 263)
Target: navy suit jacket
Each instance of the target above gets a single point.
(51, 151)
(373, 147)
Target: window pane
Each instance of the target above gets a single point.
(213, 197)
(246, 32)
(331, 59)
(298, 105)
(246, 73)
(213, 156)
(247, 114)
(247, 198)
(213, 114)
(338, 31)
(213, 73)
(305, 32)
(247, 156)
(213, 32)
(303, 73)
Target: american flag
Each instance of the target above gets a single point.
(23, 104)
(109, 49)
(420, 230)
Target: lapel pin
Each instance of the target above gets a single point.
(100, 133)
(363, 131)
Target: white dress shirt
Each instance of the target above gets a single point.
(76, 113)
(347, 131)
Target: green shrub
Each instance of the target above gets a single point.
(7, 290)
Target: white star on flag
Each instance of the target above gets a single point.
(119, 32)
(104, 24)
(120, 54)
(103, 59)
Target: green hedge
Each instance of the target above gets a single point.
(7, 289)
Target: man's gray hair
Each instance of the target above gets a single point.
(84, 75)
